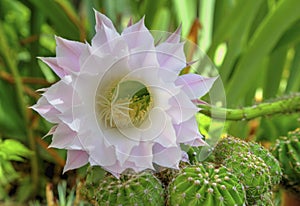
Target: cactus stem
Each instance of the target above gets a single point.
(290, 104)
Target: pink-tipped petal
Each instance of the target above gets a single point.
(175, 37)
(142, 155)
(167, 157)
(100, 154)
(52, 63)
(105, 31)
(182, 109)
(61, 102)
(75, 159)
(141, 46)
(187, 131)
(138, 36)
(167, 137)
(185, 157)
(197, 142)
(102, 20)
(130, 22)
(116, 169)
(171, 56)
(46, 110)
(194, 85)
(68, 54)
(65, 138)
(123, 145)
(51, 131)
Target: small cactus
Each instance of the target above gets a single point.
(129, 190)
(230, 145)
(252, 172)
(287, 151)
(266, 199)
(205, 184)
(270, 160)
(227, 146)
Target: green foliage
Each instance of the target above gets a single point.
(10, 151)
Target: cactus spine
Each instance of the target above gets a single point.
(205, 184)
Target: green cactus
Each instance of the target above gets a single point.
(231, 145)
(265, 199)
(287, 151)
(252, 172)
(165, 175)
(227, 146)
(129, 190)
(270, 160)
(205, 184)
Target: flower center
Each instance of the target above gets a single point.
(124, 105)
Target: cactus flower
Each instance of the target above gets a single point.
(120, 102)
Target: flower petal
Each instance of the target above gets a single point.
(68, 54)
(175, 37)
(117, 169)
(194, 85)
(122, 143)
(182, 109)
(187, 131)
(142, 156)
(138, 36)
(167, 157)
(46, 110)
(75, 159)
(104, 156)
(171, 56)
(141, 46)
(52, 63)
(61, 102)
(105, 30)
(65, 138)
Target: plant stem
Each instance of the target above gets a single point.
(281, 106)
(11, 62)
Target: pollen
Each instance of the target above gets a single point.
(123, 105)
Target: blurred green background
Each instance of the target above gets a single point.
(254, 44)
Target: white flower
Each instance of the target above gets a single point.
(120, 103)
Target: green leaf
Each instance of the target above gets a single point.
(293, 83)
(11, 149)
(274, 72)
(11, 123)
(61, 22)
(186, 12)
(242, 12)
(263, 41)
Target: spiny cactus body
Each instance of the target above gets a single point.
(269, 159)
(230, 145)
(227, 146)
(205, 184)
(287, 151)
(265, 199)
(129, 190)
(252, 172)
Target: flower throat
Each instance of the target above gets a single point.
(124, 105)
